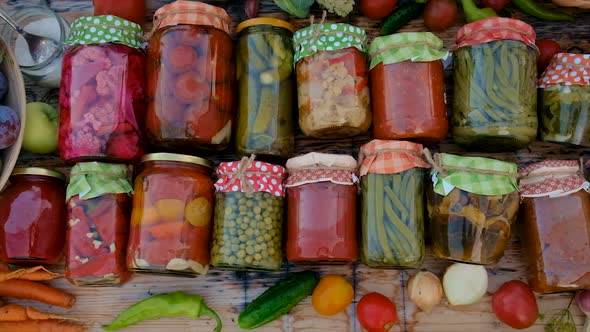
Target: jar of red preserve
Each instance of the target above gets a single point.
(132, 10)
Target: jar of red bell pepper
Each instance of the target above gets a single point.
(102, 101)
(132, 10)
(33, 216)
(99, 205)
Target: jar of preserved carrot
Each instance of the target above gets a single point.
(99, 206)
(332, 80)
(555, 225)
(321, 208)
(191, 75)
(33, 216)
(172, 215)
(407, 87)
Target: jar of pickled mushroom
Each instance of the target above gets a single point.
(172, 215)
(321, 208)
(248, 229)
(99, 206)
(191, 76)
(102, 100)
(407, 87)
(565, 100)
(472, 205)
(266, 83)
(555, 225)
(495, 93)
(392, 204)
(33, 216)
(332, 80)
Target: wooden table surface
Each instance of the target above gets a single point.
(228, 292)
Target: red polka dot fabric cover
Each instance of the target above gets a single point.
(261, 176)
(567, 69)
(495, 28)
(552, 178)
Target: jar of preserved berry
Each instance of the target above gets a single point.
(321, 208)
(332, 80)
(191, 75)
(33, 217)
(407, 87)
(495, 94)
(555, 225)
(102, 101)
(172, 215)
(248, 230)
(99, 206)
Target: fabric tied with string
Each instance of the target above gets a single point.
(317, 167)
(249, 176)
(493, 29)
(552, 178)
(390, 157)
(404, 46)
(94, 179)
(192, 12)
(103, 29)
(328, 37)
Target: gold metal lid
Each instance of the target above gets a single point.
(265, 21)
(162, 156)
(38, 171)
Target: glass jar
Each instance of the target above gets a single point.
(407, 87)
(321, 208)
(332, 80)
(33, 217)
(472, 207)
(191, 76)
(99, 207)
(565, 100)
(172, 215)
(248, 230)
(131, 10)
(265, 67)
(495, 94)
(555, 226)
(392, 205)
(102, 92)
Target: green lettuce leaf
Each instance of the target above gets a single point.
(297, 8)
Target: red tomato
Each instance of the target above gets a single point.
(515, 305)
(377, 9)
(131, 10)
(376, 312)
(440, 15)
(496, 5)
(190, 88)
(547, 49)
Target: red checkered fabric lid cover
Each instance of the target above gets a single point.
(552, 178)
(390, 157)
(321, 167)
(495, 28)
(192, 12)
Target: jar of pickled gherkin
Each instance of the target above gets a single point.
(266, 87)
(407, 87)
(472, 206)
(190, 78)
(321, 208)
(565, 100)
(332, 80)
(392, 204)
(555, 225)
(172, 215)
(495, 94)
(248, 229)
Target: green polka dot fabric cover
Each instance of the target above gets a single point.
(399, 47)
(105, 29)
(328, 37)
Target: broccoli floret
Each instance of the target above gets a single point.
(340, 7)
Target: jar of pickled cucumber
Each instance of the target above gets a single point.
(248, 230)
(565, 100)
(266, 86)
(472, 206)
(495, 93)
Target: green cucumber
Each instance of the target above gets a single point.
(401, 16)
(278, 300)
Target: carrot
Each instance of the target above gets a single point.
(166, 230)
(37, 273)
(48, 325)
(30, 290)
(17, 313)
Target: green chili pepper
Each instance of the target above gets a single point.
(175, 304)
(533, 8)
(472, 13)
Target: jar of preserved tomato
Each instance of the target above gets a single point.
(495, 94)
(321, 208)
(392, 205)
(407, 87)
(565, 100)
(472, 206)
(102, 100)
(99, 206)
(191, 75)
(172, 215)
(332, 80)
(33, 217)
(132, 10)
(555, 225)
(266, 83)
(248, 230)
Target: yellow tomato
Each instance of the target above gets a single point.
(170, 209)
(198, 212)
(332, 295)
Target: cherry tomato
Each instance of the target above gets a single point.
(376, 312)
(440, 15)
(496, 5)
(547, 49)
(332, 295)
(132, 10)
(515, 305)
(377, 9)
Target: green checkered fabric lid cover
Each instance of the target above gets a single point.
(328, 37)
(469, 180)
(105, 29)
(94, 179)
(398, 47)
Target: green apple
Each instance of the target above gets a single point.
(41, 128)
